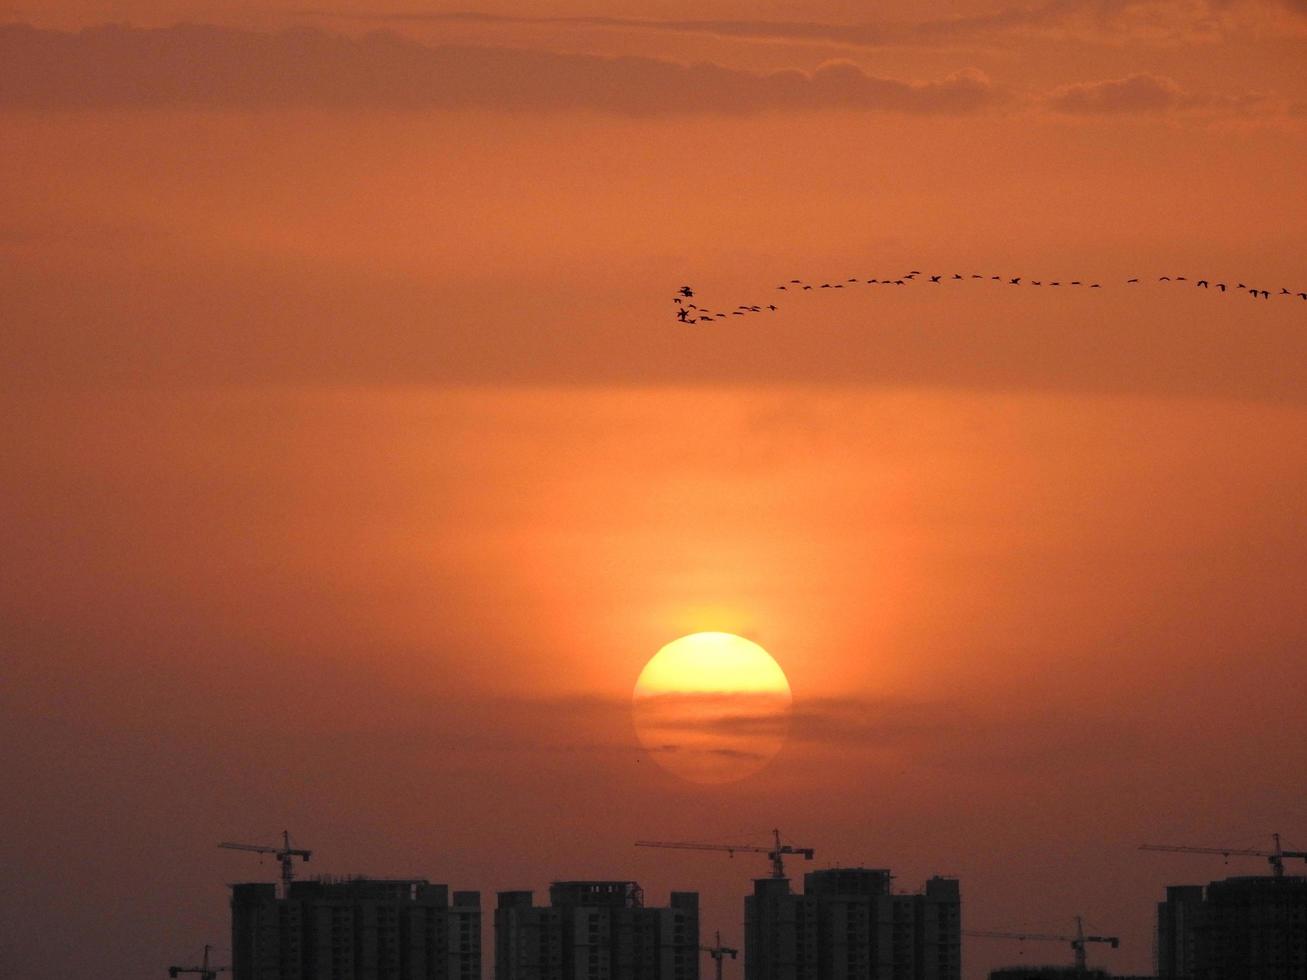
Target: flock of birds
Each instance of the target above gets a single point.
(687, 312)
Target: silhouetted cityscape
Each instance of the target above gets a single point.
(847, 923)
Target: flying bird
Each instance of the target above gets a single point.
(934, 278)
(687, 291)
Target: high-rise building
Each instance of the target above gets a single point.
(1175, 930)
(849, 924)
(1252, 928)
(596, 930)
(355, 929)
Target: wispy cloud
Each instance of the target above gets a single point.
(1145, 93)
(1104, 21)
(221, 67)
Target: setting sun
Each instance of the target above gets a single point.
(712, 707)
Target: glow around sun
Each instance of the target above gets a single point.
(712, 707)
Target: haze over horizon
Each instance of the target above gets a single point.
(354, 466)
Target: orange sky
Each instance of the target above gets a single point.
(354, 465)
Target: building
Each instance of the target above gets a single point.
(1252, 928)
(1057, 973)
(850, 925)
(355, 929)
(1175, 930)
(596, 930)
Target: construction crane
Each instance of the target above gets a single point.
(205, 971)
(717, 951)
(1275, 856)
(285, 854)
(1078, 941)
(775, 852)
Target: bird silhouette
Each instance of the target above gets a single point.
(934, 278)
(687, 291)
(1132, 280)
(1202, 282)
(1221, 286)
(1016, 281)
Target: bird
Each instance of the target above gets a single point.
(1164, 279)
(1302, 295)
(851, 280)
(780, 287)
(687, 291)
(1096, 286)
(934, 278)
(705, 319)
(676, 299)
(1132, 280)
(997, 278)
(1075, 282)
(825, 285)
(1221, 286)
(1202, 282)
(1055, 284)
(1179, 279)
(870, 281)
(772, 307)
(957, 275)
(807, 287)
(1035, 282)
(795, 281)
(1016, 281)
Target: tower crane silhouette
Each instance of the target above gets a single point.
(776, 852)
(1275, 856)
(285, 854)
(1078, 941)
(717, 951)
(205, 971)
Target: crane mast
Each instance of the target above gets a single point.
(285, 854)
(717, 951)
(1275, 857)
(775, 853)
(205, 971)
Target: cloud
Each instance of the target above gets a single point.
(1135, 93)
(1145, 93)
(1105, 21)
(194, 66)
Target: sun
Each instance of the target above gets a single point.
(712, 707)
